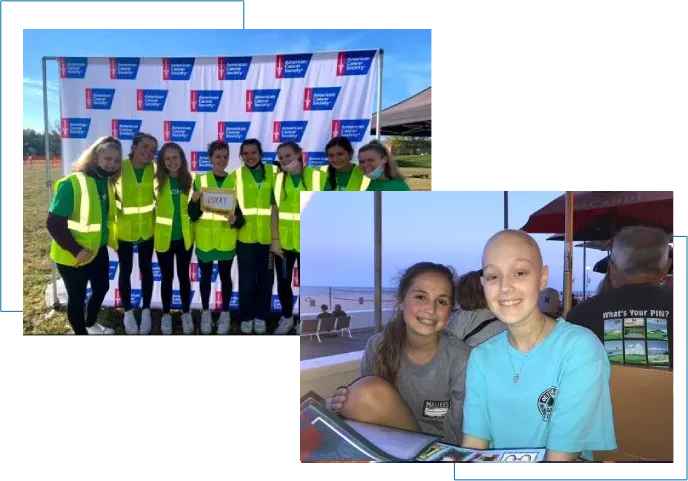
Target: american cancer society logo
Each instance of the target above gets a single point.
(352, 129)
(200, 161)
(125, 129)
(177, 68)
(74, 128)
(99, 99)
(320, 98)
(151, 99)
(261, 100)
(354, 63)
(314, 159)
(233, 68)
(122, 68)
(292, 66)
(178, 130)
(232, 132)
(205, 100)
(287, 130)
(72, 67)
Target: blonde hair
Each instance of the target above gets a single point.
(391, 167)
(89, 157)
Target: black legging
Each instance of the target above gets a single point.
(126, 263)
(285, 268)
(166, 261)
(75, 279)
(255, 281)
(225, 269)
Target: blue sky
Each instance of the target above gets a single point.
(446, 227)
(406, 61)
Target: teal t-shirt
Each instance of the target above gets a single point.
(214, 255)
(561, 402)
(63, 204)
(388, 185)
(177, 217)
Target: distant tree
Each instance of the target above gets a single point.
(409, 145)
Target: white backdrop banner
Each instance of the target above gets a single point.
(308, 98)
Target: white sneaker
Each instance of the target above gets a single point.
(99, 329)
(247, 327)
(187, 323)
(145, 322)
(285, 325)
(165, 324)
(130, 325)
(206, 323)
(259, 326)
(223, 324)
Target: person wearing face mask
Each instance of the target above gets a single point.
(377, 164)
(255, 182)
(81, 221)
(135, 225)
(342, 174)
(173, 237)
(216, 236)
(293, 179)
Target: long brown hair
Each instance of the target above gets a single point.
(389, 350)
(469, 292)
(161, 174)
(88, 159)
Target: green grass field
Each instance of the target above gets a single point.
(616, 358)
(659, 335)
(634, 332)
(659, 359)
(612, 335)
(635, 359)
(416, 169)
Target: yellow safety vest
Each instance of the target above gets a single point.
(357, 181)
(255, 204)
(287, 198)
(164, 217)
(135, 204)
(213, 231)
(85, 221)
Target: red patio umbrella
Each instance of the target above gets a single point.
(600, 214)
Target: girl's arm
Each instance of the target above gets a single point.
(562, 457)
(471, 442)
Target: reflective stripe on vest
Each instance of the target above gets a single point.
(135, 203)
(356, 174)
(213, 232)
(84, 209)
(290, 216)
(163, 220)
(257, 210)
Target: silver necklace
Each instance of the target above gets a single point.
(517, 375)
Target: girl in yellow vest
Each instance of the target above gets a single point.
(81, 221)
(254, 184)
(342, 173)
(215, 236)
(173, 236)
(135, 226)
(290, 182)
(377, 164)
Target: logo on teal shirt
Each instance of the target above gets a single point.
(546, 403)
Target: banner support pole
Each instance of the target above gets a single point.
(48, 182)
(378, 213)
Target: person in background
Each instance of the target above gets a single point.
(81, 221)
(638, 265)
(324, 313)
(338, 311)
(549, 303)
(292, 179)
(258, 238)
(173, 237)
(216, 236)
(377, 164)
(135, 227)
(342, 173)
(474, 323)
(413, 373)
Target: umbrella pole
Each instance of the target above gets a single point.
(506, 209)
(585, 272)
(568, 251)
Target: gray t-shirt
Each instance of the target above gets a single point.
(463, 322)
(434, 391)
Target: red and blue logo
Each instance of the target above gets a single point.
(320, 98)
(292, 66)
(315, 159)
(74, 128)
(135, 298)
(233, 68)
(288, 130)
(113, 269)
(232, 132)
(354, 63)
(261, 100)
(200, 161)
(177, 299)
(72, 67)
(99, 99)
(205, 100)
(151, 99)
(177, 68)
(124, 68)
(233, 301)
(269, 157)
(352, 129)
(178, 130)
(195, 272)
(125, 129)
